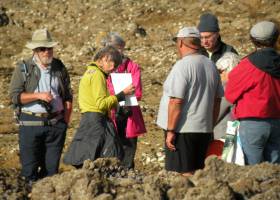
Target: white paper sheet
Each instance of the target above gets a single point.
(120, 82)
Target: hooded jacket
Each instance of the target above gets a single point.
(254, 85)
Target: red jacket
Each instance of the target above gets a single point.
(254, 92)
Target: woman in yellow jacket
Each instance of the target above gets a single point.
(96, 136)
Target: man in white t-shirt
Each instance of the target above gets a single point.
(189, 105)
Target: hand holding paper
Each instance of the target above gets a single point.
(129, 89)
(123, 82)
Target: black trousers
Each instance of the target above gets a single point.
(190, 152)
(40, 148)
(129, 144)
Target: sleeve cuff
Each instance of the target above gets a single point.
(120, 96)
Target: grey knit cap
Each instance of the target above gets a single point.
(208, 23)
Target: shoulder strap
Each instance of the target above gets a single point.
(24, 71)
(25, 74)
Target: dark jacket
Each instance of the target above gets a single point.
(19, 84)
(222, 48)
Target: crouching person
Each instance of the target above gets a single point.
(96, 137)
(40, 90)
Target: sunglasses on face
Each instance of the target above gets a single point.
(44, 48)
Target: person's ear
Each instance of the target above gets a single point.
(100, 62)
(217, 35)
(104, 60)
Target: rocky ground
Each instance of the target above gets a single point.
(105, 179)
(148, 27)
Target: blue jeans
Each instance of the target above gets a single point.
(260, 139)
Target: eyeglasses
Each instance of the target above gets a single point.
(44, 48)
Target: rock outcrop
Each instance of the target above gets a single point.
(106, 179)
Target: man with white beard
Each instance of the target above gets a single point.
(41, 93)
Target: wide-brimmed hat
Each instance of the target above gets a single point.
(41, 38)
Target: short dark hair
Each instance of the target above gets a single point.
(111, 52)
(266, 43)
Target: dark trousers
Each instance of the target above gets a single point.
(190, 152)
(129, 144)
(40, 148)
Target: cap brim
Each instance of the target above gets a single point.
(32, 45)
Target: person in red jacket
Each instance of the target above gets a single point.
(254, 88)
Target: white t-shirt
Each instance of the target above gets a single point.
(196, 80)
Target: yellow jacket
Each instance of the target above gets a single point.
(93, 93)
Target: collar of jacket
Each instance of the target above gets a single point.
(122, 68)
(267, 60)
(32, 67)
(31, 63)
(219, 45)
(93, 64)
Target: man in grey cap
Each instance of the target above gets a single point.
(213, 46)
(40, 91)
(189, 105)
(254, 88)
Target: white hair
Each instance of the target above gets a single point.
(113, 39)
(228, 61)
